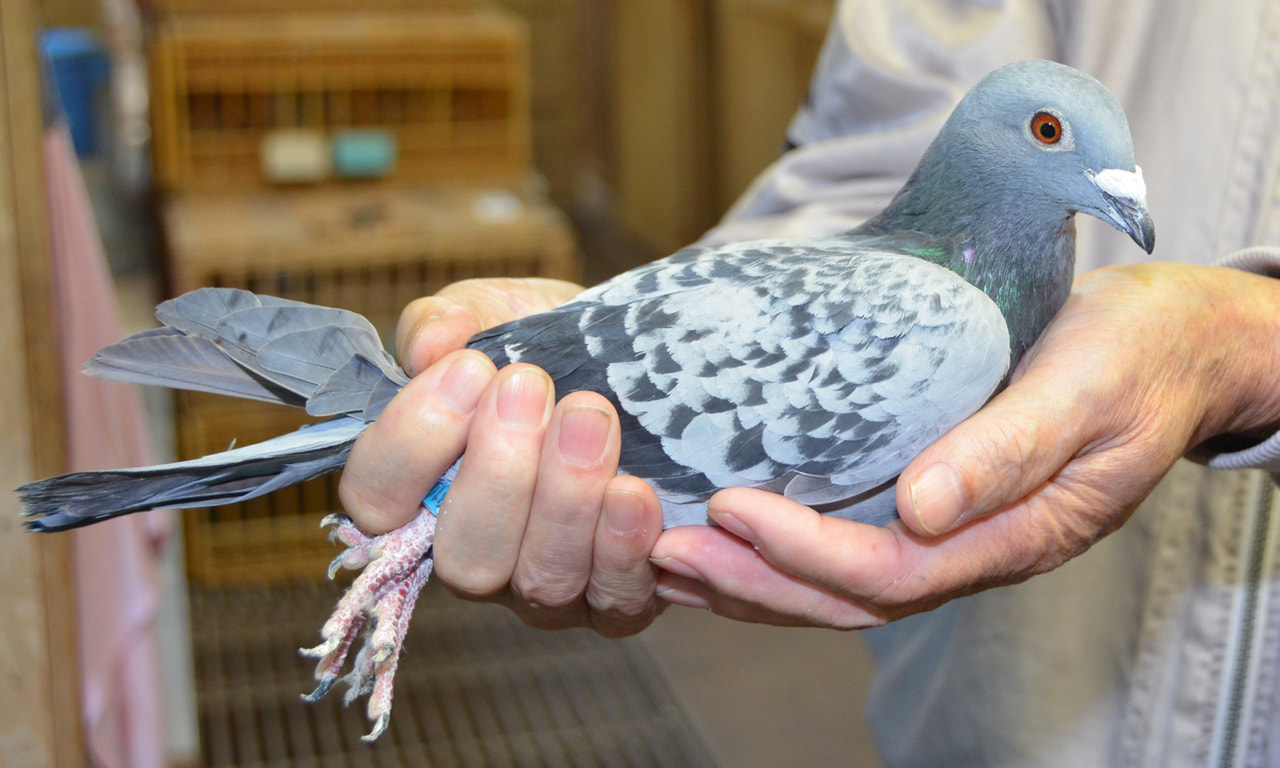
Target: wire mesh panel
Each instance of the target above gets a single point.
(474, 688)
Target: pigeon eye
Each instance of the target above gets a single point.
(1047, 128)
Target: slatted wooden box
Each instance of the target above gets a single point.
(370, 250)
(451, 87)
(305, 6)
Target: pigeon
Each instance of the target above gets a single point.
(816, 368)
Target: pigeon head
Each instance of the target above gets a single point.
(1033, 143)
(1046, 137)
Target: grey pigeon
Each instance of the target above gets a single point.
(814, 368)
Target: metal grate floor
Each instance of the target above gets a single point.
(474, 688)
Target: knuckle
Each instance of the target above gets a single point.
(619, 615)
(476, 588)
(1009, 446)
(548, 618)
(619, 605)
(895, 594)
(546, 593)
(476, 581)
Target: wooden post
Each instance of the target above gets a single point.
(764, 56)
(40, 722)
(662, 123)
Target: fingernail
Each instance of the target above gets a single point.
(677, 596)
(624, 512)
(937, 498)
(464, 382)
(678, 567)
(584, 433)
(522, 398)
(732, 524)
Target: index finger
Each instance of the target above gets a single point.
(397, 459)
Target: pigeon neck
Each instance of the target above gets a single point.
(1023, 261)
(1028, 275)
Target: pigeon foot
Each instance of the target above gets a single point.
(380, 601)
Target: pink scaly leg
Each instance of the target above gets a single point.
(396, 567)
(374, 670)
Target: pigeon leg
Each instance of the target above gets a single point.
(374, 670)
(396, 567)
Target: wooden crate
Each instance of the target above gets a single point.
(303, 6)
(370, 251)
(662, 126)
(272, 539)
(452, 88)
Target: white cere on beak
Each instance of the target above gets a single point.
(1126, 185)
(1124, 204)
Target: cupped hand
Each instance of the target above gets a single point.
(537, 517)
(1143, 363)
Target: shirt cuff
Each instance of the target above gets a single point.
(1262, 260)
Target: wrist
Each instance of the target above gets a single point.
(1242, 356)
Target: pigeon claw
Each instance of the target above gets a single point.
(379, 727)
(323, 649)
(345, 531)
(322, 690)
(380, 602)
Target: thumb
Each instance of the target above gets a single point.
(993, 459)
(430, 328)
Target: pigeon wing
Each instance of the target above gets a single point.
(230, 341)
(815, 369)
(166, 357)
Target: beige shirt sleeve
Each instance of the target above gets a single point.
(888, 76)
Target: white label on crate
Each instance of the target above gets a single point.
(498, 206)
(296, 156)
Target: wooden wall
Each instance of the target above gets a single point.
(69, 13)
(703, 93)
(39, 710)
(662, 119)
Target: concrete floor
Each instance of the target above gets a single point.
(767, 696)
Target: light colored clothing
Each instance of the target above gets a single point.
(1161, 645)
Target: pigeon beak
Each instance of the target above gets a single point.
(1124, 197)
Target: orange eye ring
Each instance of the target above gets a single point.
(1046, 128)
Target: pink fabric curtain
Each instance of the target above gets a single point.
(117, 561)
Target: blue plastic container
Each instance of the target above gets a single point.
(364, 154)
(78, 64)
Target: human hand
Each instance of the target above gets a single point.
(1143, 363)
(555, 535)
